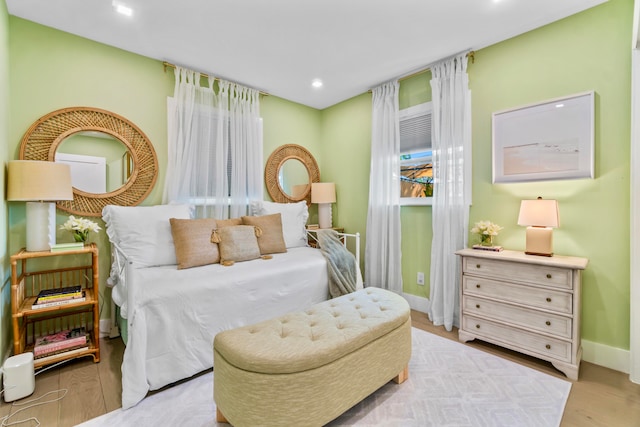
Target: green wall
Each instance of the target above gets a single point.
(5, 284)
(587, 51)
(345, 155)
(50, 69)
(285, 122)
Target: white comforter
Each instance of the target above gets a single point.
(173, 315)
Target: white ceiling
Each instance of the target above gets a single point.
(280, 46)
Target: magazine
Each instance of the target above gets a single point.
(67, 353)
(52, 303)
(47, 295)
(63, 340)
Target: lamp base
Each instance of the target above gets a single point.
(41, 226)
(539, 241)
(324, 215)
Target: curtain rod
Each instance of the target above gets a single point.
(470, 55)
(166, 65)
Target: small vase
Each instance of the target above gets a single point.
(80, 236)
(486, 240)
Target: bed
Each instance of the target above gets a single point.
(173, 314)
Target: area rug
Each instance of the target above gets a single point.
(449, 384)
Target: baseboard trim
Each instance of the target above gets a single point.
(417, 303)
(607, 356)
(105, 327)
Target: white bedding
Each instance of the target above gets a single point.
(173, 315)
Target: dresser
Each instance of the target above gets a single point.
(527, 303)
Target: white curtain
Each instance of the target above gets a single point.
(215, 146)
(382, 251)
(451, 144)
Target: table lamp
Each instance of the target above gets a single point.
(540, 217)
(323, 193)
(39, 183)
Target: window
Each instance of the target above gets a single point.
(416, 164)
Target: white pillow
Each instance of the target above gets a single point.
(294, 219)
(144, 232)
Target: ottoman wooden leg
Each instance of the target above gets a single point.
(220, 417)
(402, 376)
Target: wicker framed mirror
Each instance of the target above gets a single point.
(289, 172)
(44, 137)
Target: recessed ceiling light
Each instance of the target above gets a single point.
(317, 83)
(122, 9)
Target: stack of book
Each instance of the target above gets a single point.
(61, 247)
(59, 296)
(67, 341)
(488, 248)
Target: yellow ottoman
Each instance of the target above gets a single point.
(307, 368)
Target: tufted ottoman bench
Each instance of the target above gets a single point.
(307, 368)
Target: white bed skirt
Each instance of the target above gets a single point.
(173, 315)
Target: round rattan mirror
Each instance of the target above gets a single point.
(45, 135)
(285, 183)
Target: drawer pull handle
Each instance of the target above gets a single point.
(548, 346)
(478, 285)
(548, 323)
(477, 265)
(548, 299)
(477, 305)
(548, 275)
(477, 326)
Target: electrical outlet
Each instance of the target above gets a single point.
(420, 279)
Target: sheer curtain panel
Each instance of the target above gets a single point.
(451, 144)
(382, 250)
(215, 146)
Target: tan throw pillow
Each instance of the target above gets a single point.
(236, 243)
(192, 240)
(228, 222)
(272, 240)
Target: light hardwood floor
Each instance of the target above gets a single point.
(601, 397)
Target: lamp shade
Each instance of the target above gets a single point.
(323, 192)
(539, 213)
(31, 180)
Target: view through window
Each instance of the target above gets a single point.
(416, 163)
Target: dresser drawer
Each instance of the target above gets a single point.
(535, 274)
(526, 318)
(548, 299)
(517, 339)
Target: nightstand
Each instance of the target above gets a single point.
(313, 238)
(527, 303)
(29, 322)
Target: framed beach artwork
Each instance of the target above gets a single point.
(550, 140)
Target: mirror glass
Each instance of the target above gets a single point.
(293, 178)
(288, 173)
(100, 163)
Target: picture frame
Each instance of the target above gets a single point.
(548, 140)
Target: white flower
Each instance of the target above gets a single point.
(486, 228)
(82, 225)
